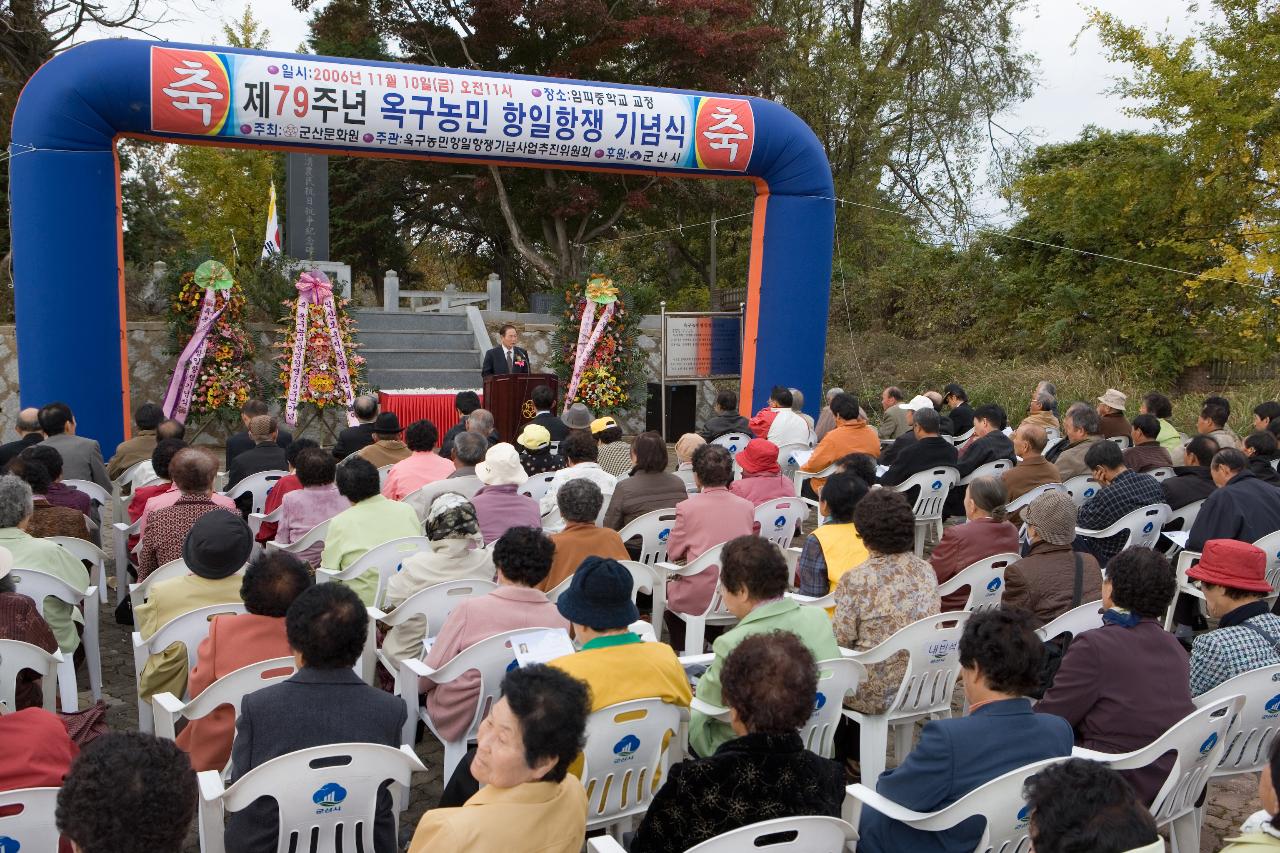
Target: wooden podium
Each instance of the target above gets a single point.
(507, 396)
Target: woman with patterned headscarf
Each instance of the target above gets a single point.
(456, 554)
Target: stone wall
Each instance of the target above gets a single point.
(536, 332)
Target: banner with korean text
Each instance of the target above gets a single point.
(301, 101)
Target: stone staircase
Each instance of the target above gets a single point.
(406, 349)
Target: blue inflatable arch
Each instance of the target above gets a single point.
(65, 182)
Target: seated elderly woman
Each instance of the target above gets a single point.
(1085, 805)
(614, 454)
(769, 683)
(317, 501)
(525, 746)
(169, 517)
(1000, 658)
(985, 534)
(455, 555)
(579, 502)
(835, 547)
(762, 478)
(30, 552)
(1130, 662)
(270, 584)
(649, 487)
(535, 450)
(46, 519)
(878, 597)
(1044, 580)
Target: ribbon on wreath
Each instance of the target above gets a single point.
(213, 276)
(600, 291)
(314, 289)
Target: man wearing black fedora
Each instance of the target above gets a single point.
(217, 547)
(387, 448)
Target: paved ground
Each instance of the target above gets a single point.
(1230, 801)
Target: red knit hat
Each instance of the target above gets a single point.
(1229, 563)
(760, 456)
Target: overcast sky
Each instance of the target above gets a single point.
(1073, 75)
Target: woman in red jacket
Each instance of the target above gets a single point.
(985, 534)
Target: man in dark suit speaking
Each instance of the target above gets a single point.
(507, 357)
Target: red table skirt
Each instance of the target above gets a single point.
(437, 408)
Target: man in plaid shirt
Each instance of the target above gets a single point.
(1232, 576)
(1122, 492)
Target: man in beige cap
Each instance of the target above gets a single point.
(1111, 410)
(1051, 579)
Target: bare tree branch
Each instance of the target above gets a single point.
(518, 240)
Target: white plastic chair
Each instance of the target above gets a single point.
(257, 519)
(778, 519)
(1081, 488)
(995, 468)
(96, 493)
(189, 629)
(258, 485)
(538, 485)
(629, 746)
(1124, 441)
(653, 581)
(33, 828)
(228, 690)
(383, 473)
(312, 537)
(1086, 617)
(1160, 473)
(837, 678)
(787, 461)
(1270, 545)
(420, 499)
(695, 624)
(385, 559)
(1255, 726)
(800, 476)
(690, 484)
(999, 802)
(1197, 741)
(958, 440)
(1020, 503)
(120, 554)
(434, 604)
(1142, 524)
(316, 790)
(933, 666)
(141, 591)
(985, 580)
(733, 441)
(1186, 559)
(932, 487)
(38, 586)
(654, 529)
(15, 656)
(553, 595)
(808, 834)
(1187, 515)
(86, 551)
(491, 658)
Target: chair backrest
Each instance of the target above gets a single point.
(434, 603)
(325, 792)
(386, 559)
(626, 754)
(1086, 617)
(15, 656)
(383, 473)
(779, 518)
(1160, 473)
(1082, 488)
(934, 485)
(1197, 742)
(933, 665)
(491, 658)
(37, 586)
(81, 549)
(231, 688)
(313, 536)
(707, 561)
(31, 826)
(553, 594)
(836, 679)
(258, 485)
(1022, 500)
(1124, 441)
(985, 580)
(1270, 545)
(96, 493)
(732, 441)
(653, 528)
(420, 499)
(958, 440)
(141, 590)
(690, 485)
(809, 834)
(190, 629)
(1143, 524)
(1254, 727)
(538, 485)
(989, 469)
(1187, 514)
